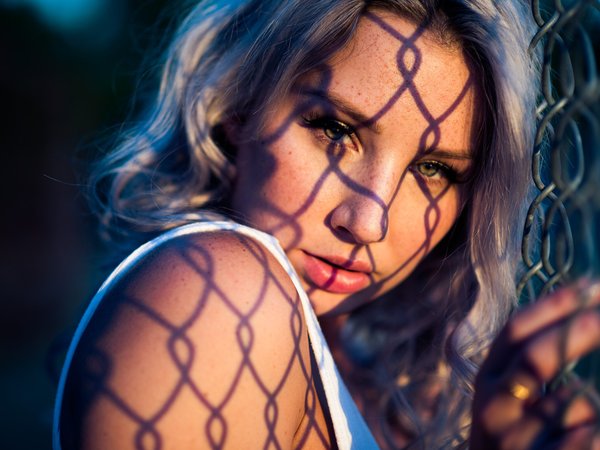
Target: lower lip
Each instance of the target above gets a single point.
(332, 278)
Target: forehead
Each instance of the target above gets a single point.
(392, 69)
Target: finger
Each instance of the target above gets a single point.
(505, 401)
(553, 418)
(579, 412)
(522, 420)
(522, 434)
(533, 319)
(596, 442)
(556, 306)
(501, 399)
(551, 349)
(567, 407)
(581, 438)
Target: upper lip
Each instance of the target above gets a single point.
(355, 265)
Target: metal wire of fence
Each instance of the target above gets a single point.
(561, 238)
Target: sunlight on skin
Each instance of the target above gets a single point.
(359, 172)
(357, 177)
(157, 376)
(368, 209)
(530, 352)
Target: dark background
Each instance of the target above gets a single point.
(68, 69)
(68, 72)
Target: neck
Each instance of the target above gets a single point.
(332, 328)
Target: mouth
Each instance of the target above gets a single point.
(336, 275)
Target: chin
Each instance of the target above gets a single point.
(329, 304)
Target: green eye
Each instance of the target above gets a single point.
(334, 130)
(429, 169)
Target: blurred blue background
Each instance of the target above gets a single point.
(67, 74)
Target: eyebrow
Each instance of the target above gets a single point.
(463, 155)
(343, 106)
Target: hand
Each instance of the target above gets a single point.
(510, 408)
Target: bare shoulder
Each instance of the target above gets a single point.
(201, 344)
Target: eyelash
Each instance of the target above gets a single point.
(323, 124)
(448, 172)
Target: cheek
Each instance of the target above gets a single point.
(295, 173)
(276, 181)
(420, 221)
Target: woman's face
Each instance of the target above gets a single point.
(358, 170)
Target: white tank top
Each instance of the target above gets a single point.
(351, 431)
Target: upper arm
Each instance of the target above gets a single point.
(202, 344)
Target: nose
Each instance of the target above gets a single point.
(361, 216)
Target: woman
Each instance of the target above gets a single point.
(384, 145)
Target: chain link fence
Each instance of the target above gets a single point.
(562, 231)
(562, 235)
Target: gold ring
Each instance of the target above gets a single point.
(519, 391)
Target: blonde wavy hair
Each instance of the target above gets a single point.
(231, 60)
